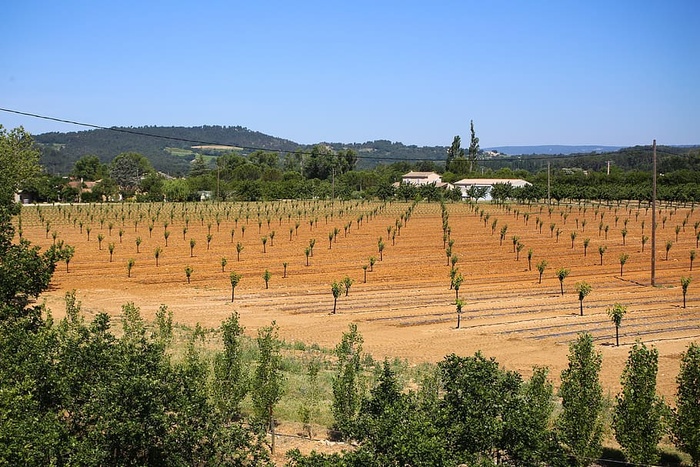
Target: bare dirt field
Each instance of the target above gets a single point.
(406, 308)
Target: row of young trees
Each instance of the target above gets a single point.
(471, 411)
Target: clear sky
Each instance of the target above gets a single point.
(610, 72)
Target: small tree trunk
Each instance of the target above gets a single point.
(459, 320)
(335, 302)
(617, 336)
(233, 291)
(581, 302)
(272, 432)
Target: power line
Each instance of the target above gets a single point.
(506, 158)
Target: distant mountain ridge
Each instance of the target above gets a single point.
(552, 149)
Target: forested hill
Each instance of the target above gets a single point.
(164, 146)
(171, 149)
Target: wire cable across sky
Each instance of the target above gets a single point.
(252, 148)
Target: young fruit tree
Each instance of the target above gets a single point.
(267, 275)
(235, 279)
(456, 284)
(623, 259)
(582, 289)
(616, 312)
(67, 254)
(685, 282)
(188, 273)
(692, 258)
(601, 252)
(541, 266)
(562, 273)
(459, 304)
(129, 266)
(336, 290)
(347, 282)
(638, 415)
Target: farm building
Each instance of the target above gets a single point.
(486, 183)
(421, 178)
(424, 178)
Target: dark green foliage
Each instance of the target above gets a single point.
(638, 414)
(476, 393)
(347, 388)
(395, 428)
(74, 394)
(267, 384)
(455, 151)
(358, 458)
(127, 169)
(19, 158)
(25, 272)
(231, 383)
(527, 438)
(686, 419)
(580, 424)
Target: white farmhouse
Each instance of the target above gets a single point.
(466, 183)
(422, 178)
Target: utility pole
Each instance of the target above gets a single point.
(653, 216)
(608, 166)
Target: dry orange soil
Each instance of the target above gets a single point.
(406, 308)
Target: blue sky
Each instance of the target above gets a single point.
(527, 72)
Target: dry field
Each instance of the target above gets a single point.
(406, 308)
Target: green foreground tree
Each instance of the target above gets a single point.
(639, 412)
(686, 416)
(580, 424)
(347, 383)
(268, 380)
